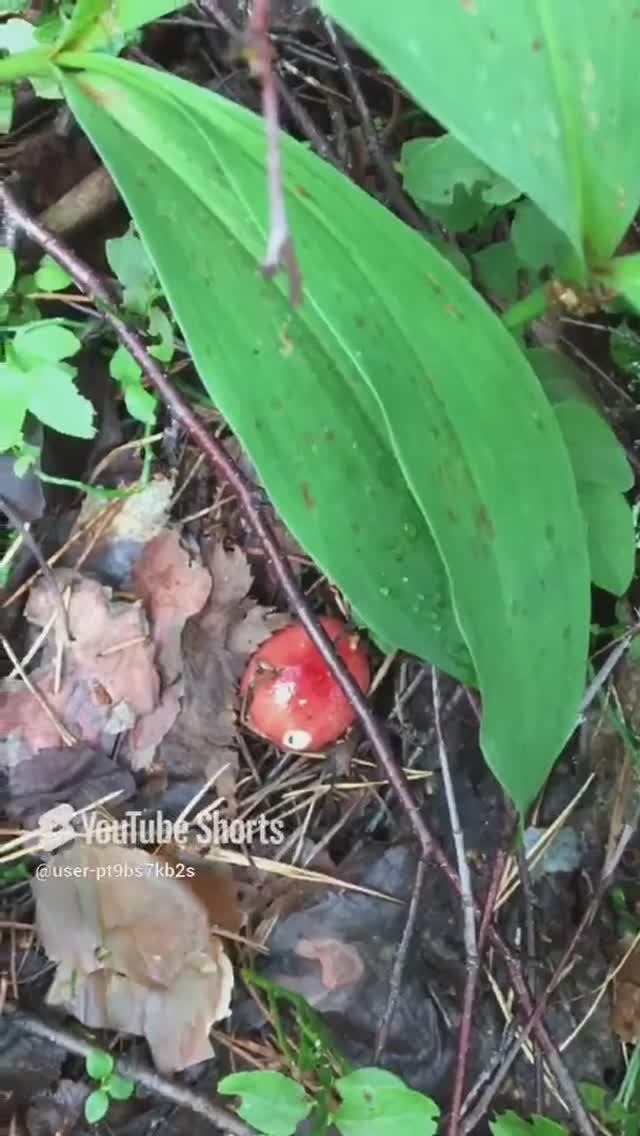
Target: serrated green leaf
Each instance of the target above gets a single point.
(96, 1106)
(400, 379)
(497, 267)
(510, 1124)
(545, 92)
(99, 1064)
(536, 241)
(13, 406)
(120, 1088)
(271, 1102)
(160, 327)
(377, 1103)
(50, 277)
(611, 537)
(123, 367)
(141, 404)
(127, 257)
(53, 398)
(45, 341)
(7, 270)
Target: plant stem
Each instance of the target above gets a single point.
(23, 64)
(529, 308)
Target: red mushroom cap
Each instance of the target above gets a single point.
(291, 695)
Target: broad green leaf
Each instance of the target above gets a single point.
(596, 454)
(433, 167)
(537, 242)
(377, 1103)
(46, 340)
(623, 277)
(545, 92)
(375, 351)
(84, 16)
(271, 1102)
(288, 383)
(453, 254)
(19, 35)
(611, 537)
(50, 277)
(120, 1088)
(96, 1106)
(53, 398)
(510, 1124)
(13, 406)
(7, 270)
(99, 1064)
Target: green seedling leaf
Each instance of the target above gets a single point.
(497, 267)
(128, 259)
(375, 437)
(624, 345)
(50, 277)
(271, 1102)
(538, 90)
(6, 109)
(537, 242)
(377, 1103)
(53, 398)
(123, 368)
(141, 404)
(160, 328)
(120, 1088)
(433, 167)
(96, 1106)
(510, 1124)
(13, 406)
(453, 254)
(7, 269)
(99, 1065)
(46, 340)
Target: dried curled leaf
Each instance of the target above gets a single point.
(133, 950)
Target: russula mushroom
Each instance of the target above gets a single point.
(290, 695)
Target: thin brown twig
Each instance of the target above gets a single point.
(395, 193)
(280, 250)
(469, 996)
(468, 908)
(399, 963)
(220, 1117)
(537, 1013)
(218, 457)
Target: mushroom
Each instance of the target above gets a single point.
(290, 695)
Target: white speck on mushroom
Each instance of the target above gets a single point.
(283, 692)
(296, 739)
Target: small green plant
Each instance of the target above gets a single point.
(111, 1086)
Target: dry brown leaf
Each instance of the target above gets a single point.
(340, 963)
(172, 587)
(625, 1010)
(216, 644)
(133, 951)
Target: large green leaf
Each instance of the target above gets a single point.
(374, 354)
(544, 91)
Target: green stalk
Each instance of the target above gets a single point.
(36, 61)
(529, 308)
